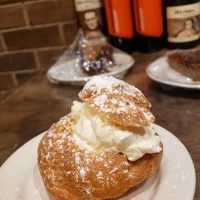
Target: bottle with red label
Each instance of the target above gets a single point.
(149, 24)
(119, 15)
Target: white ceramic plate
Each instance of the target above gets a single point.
(160, 71)
(65, 71)
(20, 178)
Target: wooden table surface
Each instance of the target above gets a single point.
(32, 108)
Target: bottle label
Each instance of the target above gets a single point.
(90, 18)
(119, 18)
(183, 23)
(83, 5)
(148, 17)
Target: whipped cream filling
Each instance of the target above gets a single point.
(93, 133)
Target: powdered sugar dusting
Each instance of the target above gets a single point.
(62, 160)
(102, 82)
(119, 105)
(83, 172)
(100, 100)
(108, 84)
(113, 96)
(77, 158)
(76, 164)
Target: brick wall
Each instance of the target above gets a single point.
(33, 34)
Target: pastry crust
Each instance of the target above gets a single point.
(69, 173)
(117, 101)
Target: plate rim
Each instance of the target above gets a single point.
(167, 82)
(39, 137)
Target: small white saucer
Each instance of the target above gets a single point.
(65, 71)
(160, 71)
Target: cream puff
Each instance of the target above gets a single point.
(105, 146)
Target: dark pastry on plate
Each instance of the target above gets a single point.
(96, 59)
(186, 62)
(105, 146)
(94, 56)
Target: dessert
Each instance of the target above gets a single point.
(106, 145)
(186, 62)
(94, 59)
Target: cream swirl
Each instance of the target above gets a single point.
(92, 133)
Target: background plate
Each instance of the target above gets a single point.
(65, 72)
(160, 71)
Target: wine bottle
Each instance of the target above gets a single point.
(183, 23)
(149, 25)
(119, 15)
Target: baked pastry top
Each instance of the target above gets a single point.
(186, 62)
(118, 101)
(93, 154)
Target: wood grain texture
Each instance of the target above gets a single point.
(33, 107)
